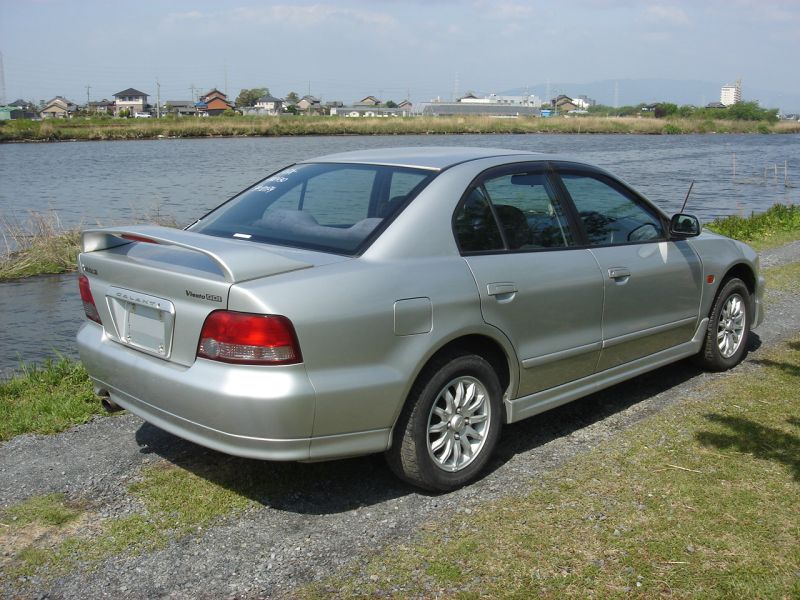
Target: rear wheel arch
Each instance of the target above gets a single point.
(455, 402)
(479, 344)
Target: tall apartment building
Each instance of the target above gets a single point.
(731, 94)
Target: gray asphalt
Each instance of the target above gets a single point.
(322, 517)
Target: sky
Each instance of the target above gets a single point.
(348, 49)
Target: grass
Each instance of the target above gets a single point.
(177, 502)
(42, 246)
(50, 510)
(46, 399)
(779, 225)
(125, 129)
(783, 278)
(699, 501)
(37, 247)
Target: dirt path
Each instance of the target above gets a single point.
(329, 514)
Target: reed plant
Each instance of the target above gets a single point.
(41, 245)
(38, 246)
(130, 129)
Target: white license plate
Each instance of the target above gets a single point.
(142, 321)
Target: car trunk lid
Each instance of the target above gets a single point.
(154, 286)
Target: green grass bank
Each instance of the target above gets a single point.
(54, 130)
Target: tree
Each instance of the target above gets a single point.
(250, 97)
(391, 104)
(292, 98)
(665, 109)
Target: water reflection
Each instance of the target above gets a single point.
(38, 318)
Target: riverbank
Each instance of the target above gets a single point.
(81, 129)
(45, 248)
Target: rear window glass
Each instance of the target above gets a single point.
(338, 208)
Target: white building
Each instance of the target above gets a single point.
(527, 100)
(731, 94)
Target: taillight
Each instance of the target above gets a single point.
(246, 338)
(89, 307)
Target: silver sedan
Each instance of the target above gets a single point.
(408, 301)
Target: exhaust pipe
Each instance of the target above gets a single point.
(108, 404)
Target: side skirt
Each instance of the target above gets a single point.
(528, 406)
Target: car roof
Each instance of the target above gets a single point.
(422, 157)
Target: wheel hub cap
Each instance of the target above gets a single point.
(731, 327)
(458, 423)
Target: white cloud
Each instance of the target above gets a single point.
(660, 14)
(504, 10)
(311, 14)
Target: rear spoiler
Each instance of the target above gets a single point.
(237, 261)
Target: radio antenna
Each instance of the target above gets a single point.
(691, 185)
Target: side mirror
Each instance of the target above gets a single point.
(682, 226)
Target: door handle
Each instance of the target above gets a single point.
(619, 273)
(501, 289)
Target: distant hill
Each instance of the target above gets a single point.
(634, 91)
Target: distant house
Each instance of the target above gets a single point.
(19, 109)
(309, 104)
(405, 105)
(716, 105)
(59, 108)
(470, 97)
(564, 103)
(214, 103)
(131, 100)
(650, 107)
(180, 108)
(101, 106)
(269, 105)
(368, 101)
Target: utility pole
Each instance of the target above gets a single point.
(192, 88)
(158, 99)
(2, 81)
(88, 87)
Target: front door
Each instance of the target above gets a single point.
(652, 285)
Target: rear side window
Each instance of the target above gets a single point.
(338, 208)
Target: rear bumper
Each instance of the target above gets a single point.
(251, 411)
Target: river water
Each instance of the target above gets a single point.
(89, 183)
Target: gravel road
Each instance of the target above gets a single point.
(331, 514)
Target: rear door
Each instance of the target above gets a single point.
(652, 285)
(542, 291)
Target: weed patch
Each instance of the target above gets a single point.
(46, 399)
(778, 225)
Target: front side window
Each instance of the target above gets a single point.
(330, 207)
(512, 211)
(609, 215)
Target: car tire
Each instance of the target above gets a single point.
(450, 424)
(726, 340)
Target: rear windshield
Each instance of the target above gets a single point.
(337, 208)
